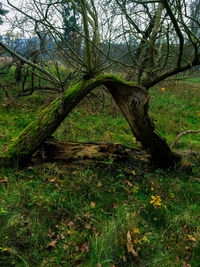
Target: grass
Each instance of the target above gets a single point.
(59, 215)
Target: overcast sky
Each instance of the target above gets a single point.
(10, 15)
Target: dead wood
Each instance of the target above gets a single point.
(181, 134)
(103, 153)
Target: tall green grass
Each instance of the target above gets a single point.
(55, 214)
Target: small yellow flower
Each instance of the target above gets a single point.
(198, 114)
(134, 173)
(163, 89)
(136, 230)
(152, 188)
(145, 239)
(135, 189)
(155, 201)
(3, 249)
(134, 140)
(136, 241)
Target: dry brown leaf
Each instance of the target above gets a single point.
(87, 226)
(192, 238)
(185, 229)
(92, 204)
(52, 244)
(130, 184)
(130, 245)
(85, 247)
(87, 214)
(3, 181)
(185, 264)
(99, 184)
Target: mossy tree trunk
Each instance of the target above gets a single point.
(31, 138)
(132, 100)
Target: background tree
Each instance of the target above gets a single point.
(71, 24)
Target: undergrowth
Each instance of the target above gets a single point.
(54, 214)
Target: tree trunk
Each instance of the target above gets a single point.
(31, 138)
(132, 100)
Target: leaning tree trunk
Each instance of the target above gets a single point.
(132, 100)
(31, 138)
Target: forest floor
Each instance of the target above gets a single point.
(54, 214)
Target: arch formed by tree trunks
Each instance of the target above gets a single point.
(131, 98)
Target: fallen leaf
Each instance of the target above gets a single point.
(87, 226)
(85, 247)
(4, 181)
(130, 184)
(87, 214)
(92, 204)
(185, 264)
(52, 244)
(99, 184)
(192, 238)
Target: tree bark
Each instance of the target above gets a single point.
(130, 97)
(133, 102)
(31, 138)
(64, 151)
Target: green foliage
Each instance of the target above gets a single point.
(58, 215)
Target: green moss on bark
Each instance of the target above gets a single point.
(31, 138)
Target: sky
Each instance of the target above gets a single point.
(4, 28)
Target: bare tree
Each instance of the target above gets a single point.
(161, 35)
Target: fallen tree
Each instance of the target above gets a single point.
(54, 150)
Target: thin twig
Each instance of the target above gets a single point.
(181, 134)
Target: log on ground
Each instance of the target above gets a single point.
(64, 151)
